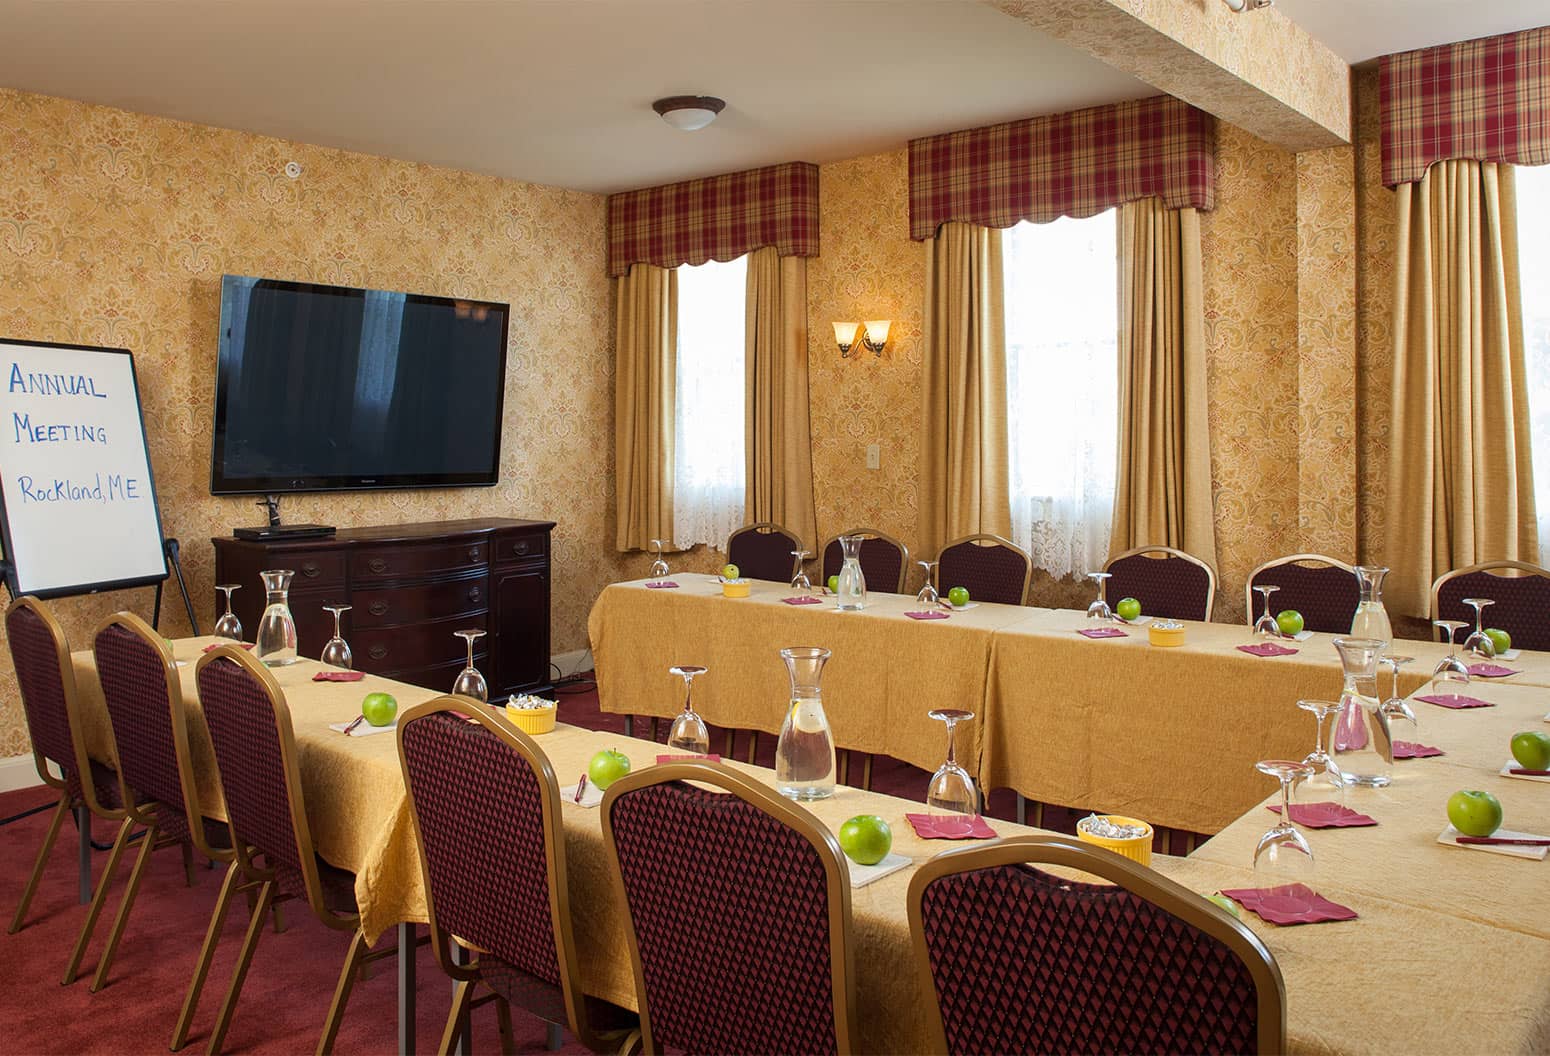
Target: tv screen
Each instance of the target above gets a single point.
(328, 387)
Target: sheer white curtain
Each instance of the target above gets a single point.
(708, 466)
(1062, 322)
(1533, 188)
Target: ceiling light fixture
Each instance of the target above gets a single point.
(1248, 5)
(689, 112)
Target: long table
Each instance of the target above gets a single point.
(1170, 735)
(1383, 983)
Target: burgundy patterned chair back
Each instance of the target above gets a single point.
(35, 655)
(479, 809)
(1023, 961)
(763, 551)
(244, 731)
(1326, 594)
(882, 561)
(1171, 587)
(731, 918)
(997, 573)
(134, 686)
(1522, 606)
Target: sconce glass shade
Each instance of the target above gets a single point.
(876, 335)
(845, 336)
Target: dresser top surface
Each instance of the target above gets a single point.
(422, 531)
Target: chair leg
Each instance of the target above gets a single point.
(206, 955)
(97, 900)
(1022, 809)
(121, 918)
(554, 1037)
(503, 1017)
(727, 752)
(866, 772)
(753, 744)
(61, 811)
(462, 998)
(843, 777)
(352, 964)
(188, 863)
(244, 960)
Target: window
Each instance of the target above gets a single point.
(1533, 187)
(1062, 298)
(708, 454)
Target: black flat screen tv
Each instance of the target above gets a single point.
(322, 388)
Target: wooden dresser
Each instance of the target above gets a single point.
(411, 586)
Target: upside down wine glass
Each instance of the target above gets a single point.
(228, 626)
(1266, 626)
(688, 732)
(1321, 765)
(1283, 861)
(1479, 643)
(800, 584)
(951, 790)
(470, 683)
(928, 596)
(1099, 609)
(1450, 668)
(658, 567)
(1396, 706)
(337, 652)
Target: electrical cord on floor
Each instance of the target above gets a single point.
(27, 813)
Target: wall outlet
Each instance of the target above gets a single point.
(874, 456)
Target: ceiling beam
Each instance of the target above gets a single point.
(1258, 70)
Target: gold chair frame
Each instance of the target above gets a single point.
(1277, 562)
(1144, 883)
(761, 797)
(1484, 566)
(997, 540)
(467, 975)
(1173, 551)
(872, 533)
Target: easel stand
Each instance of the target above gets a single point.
(170, 546)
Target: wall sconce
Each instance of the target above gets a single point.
(876, 335)
(845, 337)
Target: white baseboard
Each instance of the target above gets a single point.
(571, 663)
(18, 771)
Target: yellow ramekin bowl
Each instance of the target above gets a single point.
(532, 721)
(1137, 848)
(735, 588)
(1165, 633)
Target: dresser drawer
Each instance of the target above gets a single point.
(399, 562)
(379, 649)
(527, 546)
(440, 677)
(316, 570)
(393, 606)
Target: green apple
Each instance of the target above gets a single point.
(833, 583)
(1499, 638)
(1474, 813)
(730, 571)
(606, 767)
(1290, 621)
(379, 708)
(1531, 749)
(866, 839)
(958, 596)
(1226, 903)
(1127, 609)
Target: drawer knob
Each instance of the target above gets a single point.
(473, 553)
(521, 548)
(377, 564)
(474, 593)
(310, 569)
(377, 652)
(378, 608)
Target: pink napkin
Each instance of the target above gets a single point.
(1326, 816)
(1290, 904)
(802, 601)
(1414, 750)
(1267, 649)
(929, 827)
(687, 758)
(1453, 700)
(217, 645)
(338, 676)
(1491, 670)
(926, 615)
(1103, 632)
(664, 584)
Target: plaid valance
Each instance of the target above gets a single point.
(1487, 100)
(1073, 164)
(717, 218)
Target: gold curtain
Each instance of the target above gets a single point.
(1461, 488)
(1162, 485)
(645, 398)
(778, 441)
(963, 468)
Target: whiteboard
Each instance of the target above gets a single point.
(77, 504)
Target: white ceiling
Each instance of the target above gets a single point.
(559, 92)
(1358, 30)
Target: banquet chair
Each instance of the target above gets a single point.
(1020, 960)
(51, 706)
(739, 914)
(763, 551)
(144, 701)
(884, 560)
(991, 568)
(1520, 590)
(255, 755)
(1324, 589)
(1169, 583)
(486, 810)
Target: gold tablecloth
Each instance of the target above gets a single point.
(1387, 982)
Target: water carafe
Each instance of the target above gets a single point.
(1360, 740)
(852, 584)
(804, 756)
(276, 641)
(1371, 619)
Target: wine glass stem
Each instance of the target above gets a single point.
(470, 651)
(1286, 797)
(1318, 732)
(951, 761)
(688, 695)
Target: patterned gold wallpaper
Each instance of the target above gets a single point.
(115, 229)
